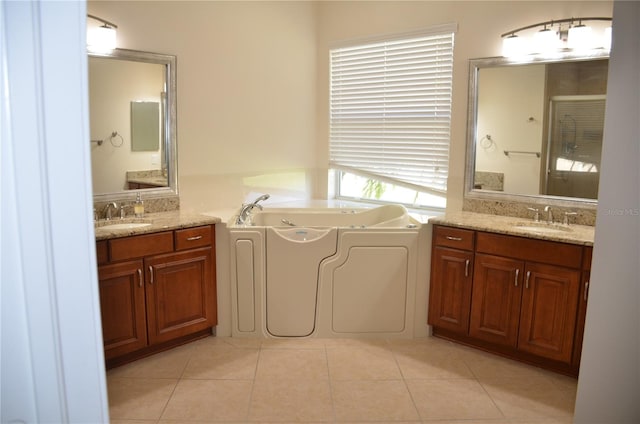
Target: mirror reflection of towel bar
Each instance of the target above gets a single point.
(520, 152)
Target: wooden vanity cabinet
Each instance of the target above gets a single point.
(524, 299)
(452, 268)
(179, 294)
(497, 295)
(156, 291)
(122, 306)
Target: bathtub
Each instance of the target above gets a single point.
(297, 273)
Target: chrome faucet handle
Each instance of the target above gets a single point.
(536, 215)
(547, 210)
(565, 220)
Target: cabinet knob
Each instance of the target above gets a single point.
(516, 279)
(194, 238)
(466, 268)
(526, 283)
(454, 238)
(139, 277)
(150, 274)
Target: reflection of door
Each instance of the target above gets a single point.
(575, 145)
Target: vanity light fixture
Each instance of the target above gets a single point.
(101, 39)
(568, 35)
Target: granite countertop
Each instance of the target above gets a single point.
(160, 221)
(574, 234)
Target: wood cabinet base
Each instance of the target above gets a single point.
(507, 352)
(153, 349)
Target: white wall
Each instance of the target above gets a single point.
(609, 384)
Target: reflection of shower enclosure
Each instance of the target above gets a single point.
(574, 145)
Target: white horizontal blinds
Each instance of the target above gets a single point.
(390, 107)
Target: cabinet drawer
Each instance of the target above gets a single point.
(453, 237)
(193, 237)
(549, 252)
(139, 246)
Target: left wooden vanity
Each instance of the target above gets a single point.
(157, 289)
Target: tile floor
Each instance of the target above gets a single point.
(231, 380)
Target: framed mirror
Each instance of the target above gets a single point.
(132, 104)
(534, 130)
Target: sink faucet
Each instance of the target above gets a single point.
(547, 209)
(536, 214)
(107, 210)
(248, 207)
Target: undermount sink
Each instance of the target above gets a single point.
(542, 228)
(124, 225)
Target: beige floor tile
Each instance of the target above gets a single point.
(293, 343)
(420, 364)
(138, 398)
(379, 400)
(362, 363)
(531, 398)
(249, 343)
(348, 342)
(487, 366)
(209, 400)
(168, 364)
(222, 362)
(452, 399)
(297, 364)
(288, 400)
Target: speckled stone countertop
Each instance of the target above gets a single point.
(574, 234)
(161, 221)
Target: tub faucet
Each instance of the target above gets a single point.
(248, 207)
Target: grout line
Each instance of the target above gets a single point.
(333, 404)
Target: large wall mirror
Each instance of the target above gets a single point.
(535, 129)
(132, 103)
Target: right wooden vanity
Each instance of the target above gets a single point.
(520, 297)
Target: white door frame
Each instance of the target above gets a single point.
(52, 363)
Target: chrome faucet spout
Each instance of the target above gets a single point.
(107, 210)
(246, 209)
(547, 209)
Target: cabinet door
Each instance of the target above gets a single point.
(497, 291)
(180, 294)
(124, 325)
(549, 310)
(450, 296)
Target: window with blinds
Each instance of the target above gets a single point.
(390, 113)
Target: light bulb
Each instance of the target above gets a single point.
(545, 41)
(101, 39)
(513, 46)
(607, 38)
(580, 38)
